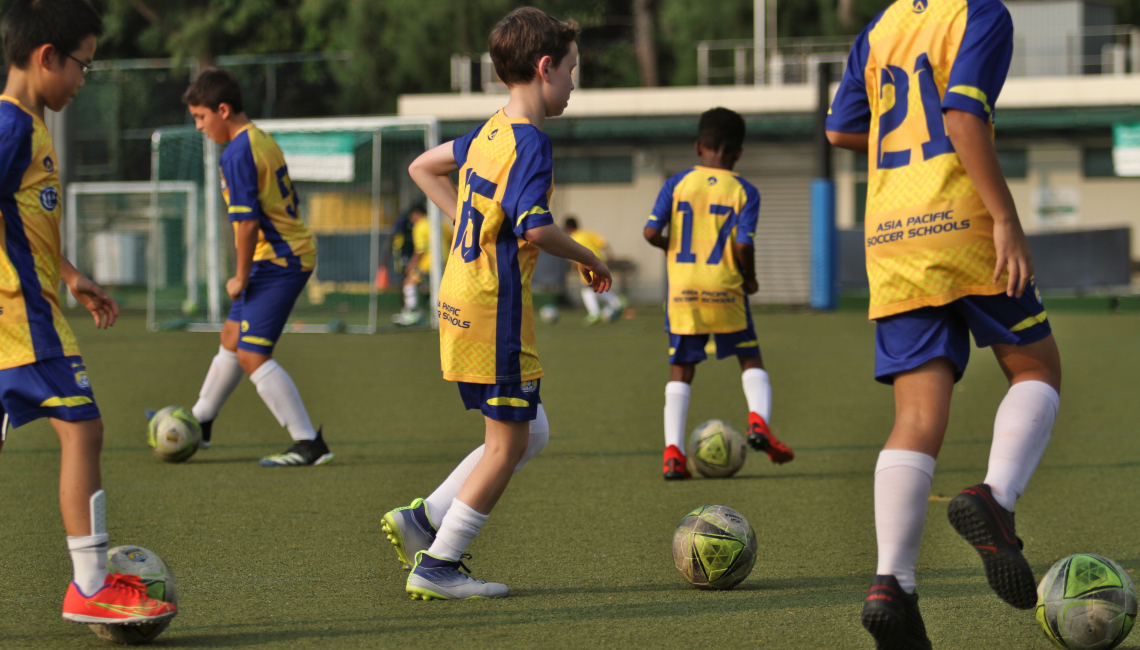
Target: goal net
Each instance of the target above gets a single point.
(350, 175)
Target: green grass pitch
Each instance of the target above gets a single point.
(295, 557)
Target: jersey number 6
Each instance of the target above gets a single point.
(686, 254)
(939, 142)
(286, 190)
(470, 219)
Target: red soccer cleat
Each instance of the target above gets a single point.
(122, 600)
(761, 439)
(675, 468)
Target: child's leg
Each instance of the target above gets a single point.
(505, 446)
(79, 478)
(590, 300)
(410, 293)
(278, 392)
(905, 468)
(1025, 418)
(439, 501)
(223, 377)
(677, 393)
(757, 390)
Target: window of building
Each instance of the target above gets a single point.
(1097, 163)
(1014, 162)
(593, 169)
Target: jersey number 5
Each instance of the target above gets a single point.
(287, 190)
(470, 219)
(686, 254)
(939, 142)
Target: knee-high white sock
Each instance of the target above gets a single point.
(758, 392)
(88, 561)
(280, 394)
(902, 490)
(676, 410)
(590, 300)
(410, 296)
(1021, 431)
(459, 527)
(223, 377)
(439, 501)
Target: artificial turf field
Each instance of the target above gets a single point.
(295, 557)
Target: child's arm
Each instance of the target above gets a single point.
(852, 141)
(655, 238)
(552, 239)
(970, 136)
(431, 171)
(746, 262)
(102, 307)
(246, 244)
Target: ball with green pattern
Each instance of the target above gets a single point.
(714, 547)
(1086, 602)
(174, 434)
(716, 450)
(160, 585)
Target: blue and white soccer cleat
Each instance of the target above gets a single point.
(410, 530)
(435, 579)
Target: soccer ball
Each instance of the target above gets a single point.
(548, 314)
(714, 547)
(174, 434)
(717, 450)
(160, 585)
(1086, 602)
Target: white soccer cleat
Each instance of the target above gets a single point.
(433, 578)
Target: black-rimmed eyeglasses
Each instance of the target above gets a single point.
(84, 68)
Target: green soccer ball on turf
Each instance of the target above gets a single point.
(1086, 602)
(174, 434)
(716, 450)
(714, 547)
(160, 585)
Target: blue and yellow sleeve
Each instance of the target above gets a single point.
(240, 170)
(979, 70)
(461, 145)
(531, 180)
(850, 110)
(749, 214)
(15, 147)
(662, 210)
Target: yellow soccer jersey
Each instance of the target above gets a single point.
(421, 242)
(591, 240)
(32, 328)
(929, 238)
(256, 185)
(709, 209)
(486, 321)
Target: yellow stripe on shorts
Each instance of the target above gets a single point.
(1029, 322)
(256, 340)
(65, 401)
(508, 401)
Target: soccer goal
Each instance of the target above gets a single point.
(351, 177)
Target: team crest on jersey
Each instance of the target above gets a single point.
(49, 198)
(492, 135)
(49, 166)
(81, 380)
(245, 326)
(712, 181)
(920, 6)
(529, 386)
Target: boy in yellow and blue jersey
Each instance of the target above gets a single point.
(946, 257)
(418, 268)
(711, 214)
(49, 46)
(600, 247)
(486, 322)
(275, 257)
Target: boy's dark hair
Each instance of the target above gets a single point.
(28, 24)
(571, 223)
(720, 129)
(525, 36)
(214, 87)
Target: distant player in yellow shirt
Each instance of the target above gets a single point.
(600, 247)
(946, 258)
(418, 269)
(711, 214)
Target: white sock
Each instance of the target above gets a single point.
(440, 501)
(280, 394)
(676, 410)
(758, 392)
(902, 490)
(410, 296)
(590, 299)
(1021, 431)
(612, 301)
(88, 562)
(459, 527)
(223, 377)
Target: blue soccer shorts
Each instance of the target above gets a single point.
(514, 402)
(690, 348)
(908, 340)
(53, 388)
(264, 306)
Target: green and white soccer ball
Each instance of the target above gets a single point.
(174, 434)
(549, 314)
(1086, 602)
(160, 585)
(716, 450)
(714, 547)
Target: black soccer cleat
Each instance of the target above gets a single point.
(303, 452)
(989, 528)
(891, 616)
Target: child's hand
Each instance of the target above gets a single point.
(751, 286)
(102, 306)
(235, 286)
(1012, 255)
(598, 276)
